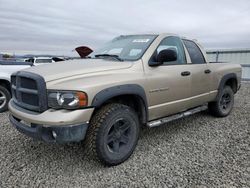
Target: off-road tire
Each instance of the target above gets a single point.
(6, 94)
(104, 122)
(217, 109)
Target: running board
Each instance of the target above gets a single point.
(164, 120)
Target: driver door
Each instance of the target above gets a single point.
(168, 85)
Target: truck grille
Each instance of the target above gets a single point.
(29, 91)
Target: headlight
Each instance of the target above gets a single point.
(67, 99)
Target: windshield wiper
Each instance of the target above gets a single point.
(109, 55)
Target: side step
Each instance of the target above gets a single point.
(167, 119)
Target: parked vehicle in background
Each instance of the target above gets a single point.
(6, 69)
(9, 67)
(43, 60)
(132, 81)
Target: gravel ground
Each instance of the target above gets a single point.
(198, 151)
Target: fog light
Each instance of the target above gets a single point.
(54, 134)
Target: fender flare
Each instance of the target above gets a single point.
(127, 89)
(224, 79)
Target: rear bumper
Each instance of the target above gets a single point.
(58, 134)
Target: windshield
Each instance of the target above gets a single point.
(129, 47)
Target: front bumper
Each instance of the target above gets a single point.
(52, 125)
(51, 117)
(59, 134)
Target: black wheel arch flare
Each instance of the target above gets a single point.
(224, 79)
(127, 89)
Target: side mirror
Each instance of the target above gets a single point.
(164, 56)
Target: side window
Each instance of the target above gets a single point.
(194, 52)
(43, 61)
(173, 43)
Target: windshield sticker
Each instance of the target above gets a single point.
(141, 40)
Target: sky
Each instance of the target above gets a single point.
(58, 26)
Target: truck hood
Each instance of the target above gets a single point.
(65, 69)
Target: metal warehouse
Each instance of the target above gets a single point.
(241, 56)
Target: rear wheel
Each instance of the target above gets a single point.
(113, 134)
(224, 105)
(4, 98)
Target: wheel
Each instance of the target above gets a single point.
(113, 134)
(4, 98)
(224, 105)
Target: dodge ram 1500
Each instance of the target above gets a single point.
(132, 81)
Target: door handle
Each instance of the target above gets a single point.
(207, 71)
(185, 73)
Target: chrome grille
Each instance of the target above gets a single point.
(29, 91)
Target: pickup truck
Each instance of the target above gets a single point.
(131, 82)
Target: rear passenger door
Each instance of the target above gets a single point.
(200, 75)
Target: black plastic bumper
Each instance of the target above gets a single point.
(59, 134)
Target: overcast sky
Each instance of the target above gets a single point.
(58, 26)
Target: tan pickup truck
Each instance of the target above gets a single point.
(131, 82)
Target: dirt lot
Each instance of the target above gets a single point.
(198, 151)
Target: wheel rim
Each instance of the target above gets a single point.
(119, 135)
(2, 99)
(225, 101)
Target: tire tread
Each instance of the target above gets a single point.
(213, 107)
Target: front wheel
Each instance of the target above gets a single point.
(4, 99)
(224, 105)
(113, 134)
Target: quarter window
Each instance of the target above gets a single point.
(194, 52)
